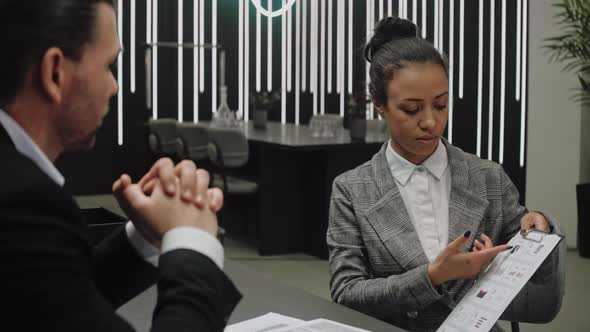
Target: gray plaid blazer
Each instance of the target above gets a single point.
(377, 264)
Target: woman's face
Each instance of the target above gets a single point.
(416, 110)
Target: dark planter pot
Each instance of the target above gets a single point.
(583, 197)
(346, 122)
(260, 118)
(358, 129)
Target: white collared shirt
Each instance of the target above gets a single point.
(181, 237)
(425, 190)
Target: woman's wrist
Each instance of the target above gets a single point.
(434, 274)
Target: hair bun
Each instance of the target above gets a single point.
(395, 28)
(386, 30)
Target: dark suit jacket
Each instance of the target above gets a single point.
(52, 279)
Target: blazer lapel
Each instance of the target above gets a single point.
(467, 203)
(390, 219)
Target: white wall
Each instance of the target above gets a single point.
(554, 127)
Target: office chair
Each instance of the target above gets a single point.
(192, 142)
(548, 293)
(162, 138)
(228, 151)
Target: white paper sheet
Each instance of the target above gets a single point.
(270, 322)
(321, 325)
(499, 284)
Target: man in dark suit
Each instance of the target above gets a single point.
(55, 84)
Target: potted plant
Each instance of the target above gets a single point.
(261, 103)
(357, 115)
(572, 48)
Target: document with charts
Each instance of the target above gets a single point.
(499, 284)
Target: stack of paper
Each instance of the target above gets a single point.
(273, 322)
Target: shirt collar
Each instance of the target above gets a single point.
(25, 145)
(402, 169)
(437, 163)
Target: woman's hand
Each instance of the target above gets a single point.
(534, 220)
(485, 243)
(453, 264)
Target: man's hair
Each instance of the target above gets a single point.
(28, 28)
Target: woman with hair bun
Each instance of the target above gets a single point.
(410, 229)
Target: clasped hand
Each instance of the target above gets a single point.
(169, 196)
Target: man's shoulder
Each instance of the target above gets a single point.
(18, 173)
(26, 188)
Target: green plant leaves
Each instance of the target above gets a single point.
(572, 46)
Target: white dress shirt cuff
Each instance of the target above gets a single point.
(145, 249)
(194, 239)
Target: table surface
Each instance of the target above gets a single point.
(299, 135)
(261, 294)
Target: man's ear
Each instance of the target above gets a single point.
(52, 72)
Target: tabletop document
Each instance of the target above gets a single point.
(273, 322)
